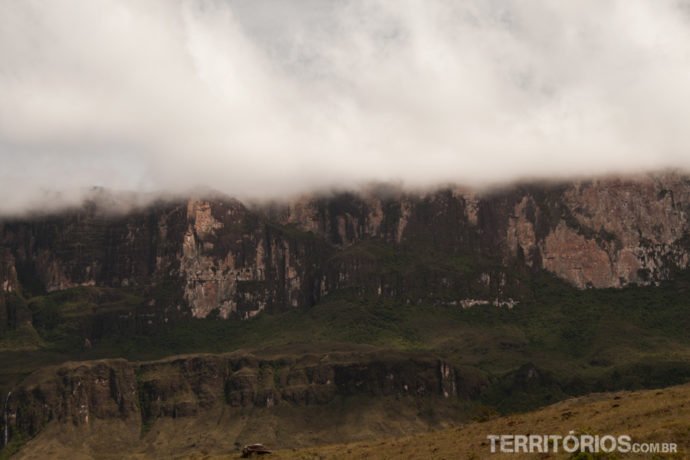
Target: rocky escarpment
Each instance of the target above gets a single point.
(82, 395)
(599, 233)
(615, 233)
(215, 255)
(8, 289)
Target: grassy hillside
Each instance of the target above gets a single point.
(557, 343)
(578, 341)
(646, 416)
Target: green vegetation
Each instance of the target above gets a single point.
(13, 446)
(579, 341)
(558, 342)
(665, 414)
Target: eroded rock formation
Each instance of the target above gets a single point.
(218, 256)
(140, 394)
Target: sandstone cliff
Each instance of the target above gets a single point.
(452, 245)
(135, 398)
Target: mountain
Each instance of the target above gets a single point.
(434, 306)
(236, 260)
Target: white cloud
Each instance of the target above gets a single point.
(259, 98)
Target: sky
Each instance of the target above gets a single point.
(270, 98)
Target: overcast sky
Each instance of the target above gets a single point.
(263, 98)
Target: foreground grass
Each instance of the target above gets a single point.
(646, 416)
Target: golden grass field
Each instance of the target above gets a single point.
(649, 416)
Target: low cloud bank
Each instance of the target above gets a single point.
(261, 99)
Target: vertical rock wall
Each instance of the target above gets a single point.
(219, 256)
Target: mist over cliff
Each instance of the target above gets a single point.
(510, 298)
(260, 99)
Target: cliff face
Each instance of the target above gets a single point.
(219, 256)
(8, 286)
(81, 395)
(215, 256)
(616, 233)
